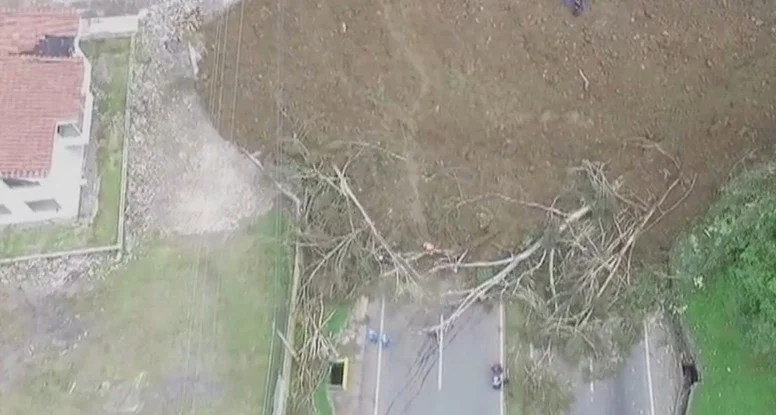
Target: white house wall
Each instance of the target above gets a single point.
(62, 185)
(88, 110)
(65, 179)
(107, 27)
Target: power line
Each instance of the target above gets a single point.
(200, 247)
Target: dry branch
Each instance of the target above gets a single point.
(513, 262)
(408, 270)
(588, 254)
(582, 260)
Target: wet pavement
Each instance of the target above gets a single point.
(412, 375)
(647, 384)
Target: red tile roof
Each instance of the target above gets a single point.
(20, 29)
(35, 92)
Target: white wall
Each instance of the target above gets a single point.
(64, 181)
(63, 184)
(106, 27)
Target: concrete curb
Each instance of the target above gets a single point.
(688, 357)
(284, 380)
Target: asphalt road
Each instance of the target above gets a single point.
(414, 376)
(625, 394)
(647, 384)
(406, 377)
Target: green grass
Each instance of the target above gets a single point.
(111, 139)
(150, 319)
(722, 268)
(514, 353)
(338, 319)
(279, 292)
(110, 95)
(733, 381)
(336, 323)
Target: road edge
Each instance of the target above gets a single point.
(501, 330)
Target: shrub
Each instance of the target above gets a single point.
(737, 241)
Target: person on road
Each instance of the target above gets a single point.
(497, 382)
(374, 337)
(499, 379)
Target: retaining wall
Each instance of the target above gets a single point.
(108, 27)
(690, 367)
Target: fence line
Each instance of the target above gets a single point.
(280, 396)
(284, 380)
(118, 244)
(272, 387)
(120, 233)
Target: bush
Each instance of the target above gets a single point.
(737, 242)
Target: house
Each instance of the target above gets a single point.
(45, 115)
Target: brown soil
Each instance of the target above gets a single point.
(475, 99)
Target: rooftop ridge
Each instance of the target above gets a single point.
(16, 57)
(40, 11)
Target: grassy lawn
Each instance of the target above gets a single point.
(110, 96)
(726, 273)
(177, 314)
(336, 323)
(733, 381)
(514, 351)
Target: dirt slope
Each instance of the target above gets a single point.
(475, 104)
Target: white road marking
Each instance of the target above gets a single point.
(440, 339)
(592, 382)
(501, 330)
(379, 356)
(649, 370)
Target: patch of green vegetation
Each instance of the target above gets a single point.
(263, 269)
(322, 400)
(515, 357)
(111, 104)
(338, 320)
(282, 269)
(726, 270)
(110, 95)
(178, 310)
(335, 324)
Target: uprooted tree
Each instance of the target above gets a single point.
(568, 279)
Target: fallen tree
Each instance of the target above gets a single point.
(568, 278)
(584, 256)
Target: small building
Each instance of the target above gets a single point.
(45, 115)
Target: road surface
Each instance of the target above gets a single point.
(647, 384)
(406, 377)
(414, 376)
